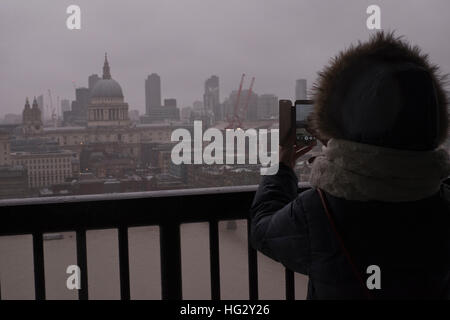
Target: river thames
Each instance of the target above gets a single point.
(17, 281)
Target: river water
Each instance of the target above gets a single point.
(16, 265)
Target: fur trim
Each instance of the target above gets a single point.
(381, 47)
(362, 172)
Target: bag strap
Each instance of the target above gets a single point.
(343, 247)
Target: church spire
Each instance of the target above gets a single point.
(27, 104)
(106, 71)
(35, 104)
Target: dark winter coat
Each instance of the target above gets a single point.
(409, 241)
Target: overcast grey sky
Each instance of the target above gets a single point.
(186, 41)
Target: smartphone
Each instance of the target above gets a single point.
(294, 123)
(287, 123)
(302, 110)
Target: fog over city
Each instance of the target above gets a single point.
(187, 41)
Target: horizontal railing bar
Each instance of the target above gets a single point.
(123, 196)
(59, 217)
(132, 195)
(110, 214)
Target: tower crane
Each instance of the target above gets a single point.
(236, 122)
(247, 101)
(239, 114)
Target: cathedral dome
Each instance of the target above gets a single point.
(107, 107)
(107, 88)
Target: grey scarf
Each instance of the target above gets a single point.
(363, 172)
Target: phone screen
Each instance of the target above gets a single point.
(302, 112)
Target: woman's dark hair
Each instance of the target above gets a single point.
(383, 92)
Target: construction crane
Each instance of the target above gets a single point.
(247, 100)
(236, 122)
(239, 114)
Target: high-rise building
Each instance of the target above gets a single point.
(77, 115)
(154, 111)
(152, 92)
(252, 104)
(170, 103)
(300, 89)
(267, 106)
(79, 106)
(93, 80)
(211, 98)
(65, 105)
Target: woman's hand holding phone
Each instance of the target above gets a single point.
(289, 155)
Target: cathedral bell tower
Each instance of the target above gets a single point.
(31, 118)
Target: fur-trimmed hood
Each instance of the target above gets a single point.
(383, 92)
(363, 172)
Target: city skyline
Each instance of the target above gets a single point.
(133, 151)
(184, 48)
(154, 98)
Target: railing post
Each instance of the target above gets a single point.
(83, 293)
(39, 270)
(252, 266)
(124, 263)
(214, 259)
(290, 284)
(169, 235)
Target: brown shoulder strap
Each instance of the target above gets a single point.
(343, 247)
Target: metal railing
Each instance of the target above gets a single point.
(166, 209)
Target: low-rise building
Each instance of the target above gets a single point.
(5, 151)
(13, 182)
(46, 168)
